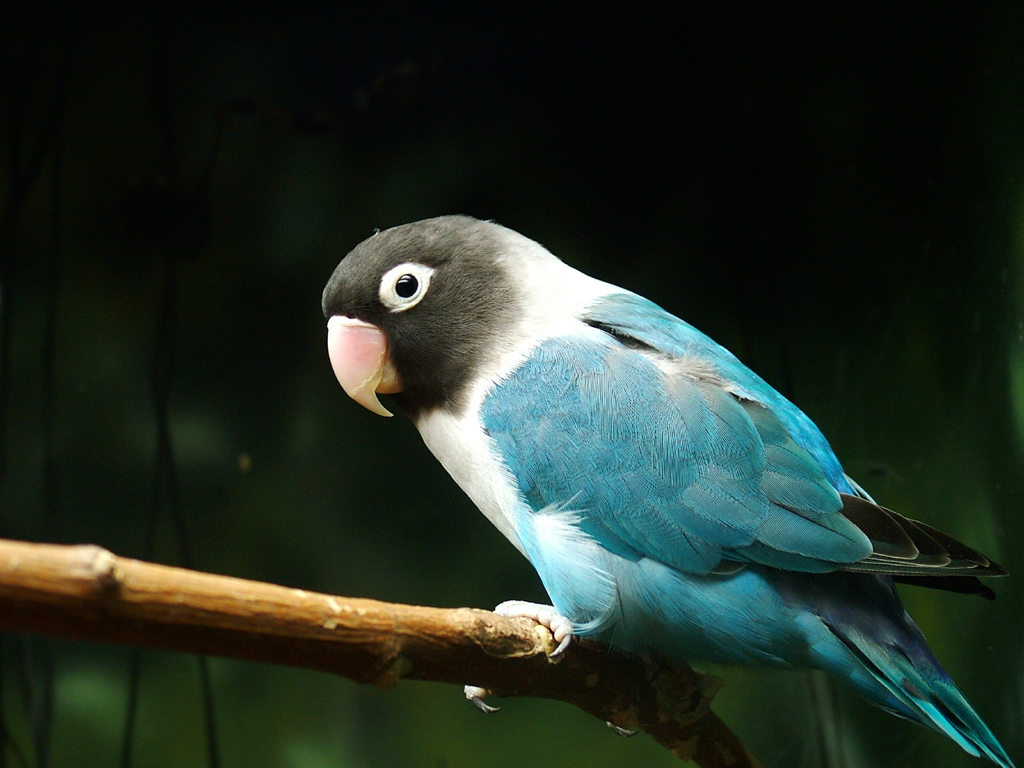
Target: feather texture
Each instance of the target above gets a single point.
(664, 465)
(670, 499)
(669, 461)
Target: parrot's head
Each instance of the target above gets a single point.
(415, 311)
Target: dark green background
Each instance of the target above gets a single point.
(833, 191)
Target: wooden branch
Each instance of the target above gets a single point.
(85, 592)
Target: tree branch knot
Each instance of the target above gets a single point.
(103, 568)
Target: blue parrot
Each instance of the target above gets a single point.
(670, 500)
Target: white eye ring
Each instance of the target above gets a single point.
(404, 286)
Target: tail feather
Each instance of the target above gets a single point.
(916, 681)
(865, 639)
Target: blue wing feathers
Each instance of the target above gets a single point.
(640, 470)
(675, 469)
(630, 315)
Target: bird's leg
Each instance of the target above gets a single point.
(559, 626)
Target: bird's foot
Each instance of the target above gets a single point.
(476, 695)
(559, 626)
(545, 615)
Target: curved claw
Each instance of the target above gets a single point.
(476, 695)
(625, 732)
(561, 646)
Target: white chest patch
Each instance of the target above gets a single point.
(467, 453)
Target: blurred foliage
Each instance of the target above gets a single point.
(833, 191)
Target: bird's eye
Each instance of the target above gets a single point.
(403, 287)
(406, 286)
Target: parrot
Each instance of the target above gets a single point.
(671, 501)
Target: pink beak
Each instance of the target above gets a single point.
(359, 357)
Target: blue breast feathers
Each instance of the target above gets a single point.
(683, 455)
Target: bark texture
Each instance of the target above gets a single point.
(86, 592)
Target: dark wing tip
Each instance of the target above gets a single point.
(960, 552)
(913, 549)
(888, 537)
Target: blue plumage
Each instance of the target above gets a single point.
(669, 498)
(672, 456)
(677, 469)
(638, 318)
